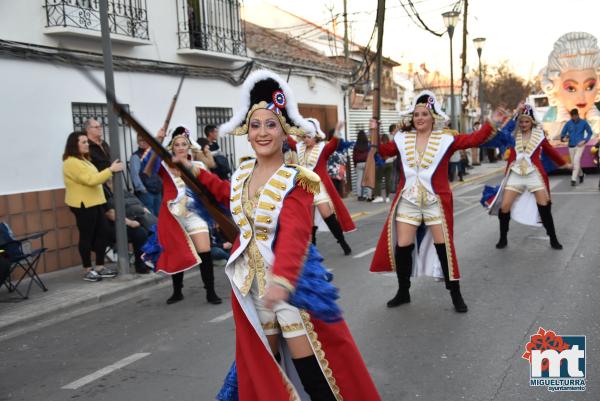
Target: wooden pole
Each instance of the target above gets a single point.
(346, 51)
(369, 174)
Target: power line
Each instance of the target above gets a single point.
(419, 21)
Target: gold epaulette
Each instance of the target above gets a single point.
(308, 179)
(449, 131)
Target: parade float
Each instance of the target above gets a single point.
(570, 80)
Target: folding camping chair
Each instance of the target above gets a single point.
(18, 255)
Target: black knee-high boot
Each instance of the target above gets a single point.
(452, 285)
(403, 256)
(177, 295)
(314, 235)
(504, 219)
(335, 228)
(312, 379)
(208, 277)
(548, 223)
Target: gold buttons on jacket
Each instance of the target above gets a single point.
(277, 184)
(263, 219)
(266, 206)
(272, 194)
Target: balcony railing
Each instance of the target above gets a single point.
(211, 25)
(125, 17)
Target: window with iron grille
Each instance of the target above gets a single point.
(99, 112)
(217, 116)
(212, 25)
(125, 17)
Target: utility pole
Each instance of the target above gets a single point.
(115, 148)
(346, 52)
(377, 94)
(369, 174)
(463, 80)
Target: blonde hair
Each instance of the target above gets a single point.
(572, 51)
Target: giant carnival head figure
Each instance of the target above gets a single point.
(571, 77)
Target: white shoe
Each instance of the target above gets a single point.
(387, 199)
(378, 199)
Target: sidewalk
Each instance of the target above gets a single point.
(68, 295)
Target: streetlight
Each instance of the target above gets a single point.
(450, 21)
(479, 42)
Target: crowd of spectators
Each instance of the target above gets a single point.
(87, 173)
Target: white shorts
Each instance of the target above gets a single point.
(283, 318)
(531, 182)
(192, 223)
(322, 196)
(412, 214)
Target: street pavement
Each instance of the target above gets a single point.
(142, 349)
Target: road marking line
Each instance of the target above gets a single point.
(575, 193)
(105, 371)
(541, 238)
(359, 214)
(222, 317)
(467, 209)
(364, 253)
(477, 177)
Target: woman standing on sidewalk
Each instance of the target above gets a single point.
(313, 154)
(287, 346)
(525, 190)
(85, 197)
(385, 171)
(182, 231)
(423, 201)
(359, 156)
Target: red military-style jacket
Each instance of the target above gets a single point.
(383, 259)
(341, 211)
(259, 376)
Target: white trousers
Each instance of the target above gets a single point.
(283, 318)
(575, 154)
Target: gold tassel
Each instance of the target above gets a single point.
(308, 179)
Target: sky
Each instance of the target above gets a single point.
(520, 31)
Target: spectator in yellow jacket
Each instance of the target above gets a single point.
(85, 198)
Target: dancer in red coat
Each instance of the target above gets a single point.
(313, 153)
(423, 201)
(182, 232)
(525, 190)
(288, 345)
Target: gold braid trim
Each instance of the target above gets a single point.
(320, 354)
(287, 128)
(391, 247)
(446, 231)
(289, 328)
(246, 158)
(307, 179)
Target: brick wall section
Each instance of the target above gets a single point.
(30, 212)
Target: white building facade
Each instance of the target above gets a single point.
(154, 42)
